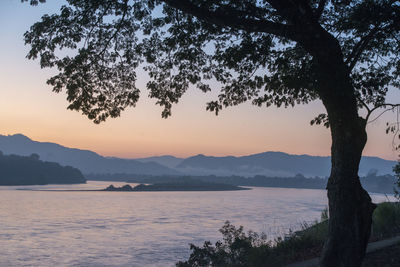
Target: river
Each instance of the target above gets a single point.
(39, 228)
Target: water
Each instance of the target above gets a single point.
(138, 228)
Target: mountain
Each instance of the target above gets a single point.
(85, 160)
(167, 160)
(20, 170)
(273, 164)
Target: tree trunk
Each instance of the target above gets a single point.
(350, 207)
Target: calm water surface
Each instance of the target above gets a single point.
(137, 228)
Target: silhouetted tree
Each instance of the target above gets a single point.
(21, 170)
(272, 52)
(34, 156)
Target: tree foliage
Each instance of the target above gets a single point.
(251, 50)
(22, 170)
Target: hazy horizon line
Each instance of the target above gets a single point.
(183, 157)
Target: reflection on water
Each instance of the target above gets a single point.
(137, 228)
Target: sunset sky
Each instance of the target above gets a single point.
(28, 106)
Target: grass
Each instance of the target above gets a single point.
(240, 249)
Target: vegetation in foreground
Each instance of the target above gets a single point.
(240, 249)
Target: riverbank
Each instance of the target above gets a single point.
(296, 249)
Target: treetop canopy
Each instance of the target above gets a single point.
(262, 51)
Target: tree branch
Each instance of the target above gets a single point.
(320, 9)
(296, 12)
(359, 48)
(392, 106)
(364, 104)
(227, 19)
(362, 44)
(117, 29)
(97, 23)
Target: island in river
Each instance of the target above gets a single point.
(192, 186)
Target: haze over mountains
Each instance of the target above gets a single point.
(169, 161)
(85, 160)
(277, 164)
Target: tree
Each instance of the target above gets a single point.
(34, 156)
(270, 52)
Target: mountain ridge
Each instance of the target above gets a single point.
(276, 163)
(270, 163)
(85, 160)
(166, 160)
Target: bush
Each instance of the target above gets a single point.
(238, 249)
(386, 219)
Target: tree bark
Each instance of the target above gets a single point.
(350, 207)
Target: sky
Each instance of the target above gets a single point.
(28, 106)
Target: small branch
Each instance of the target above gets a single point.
(97, 23)
(392, 106)
(397, 129)
(377, 117)
(364, 104)
(359, 48)
(116, 30)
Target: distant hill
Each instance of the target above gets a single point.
(271, 164)
(275, 164)
(85, 160)
(21, 170)
(168, 161)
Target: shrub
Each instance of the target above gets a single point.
(236, 249)
(240, 249)
(386, 219)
